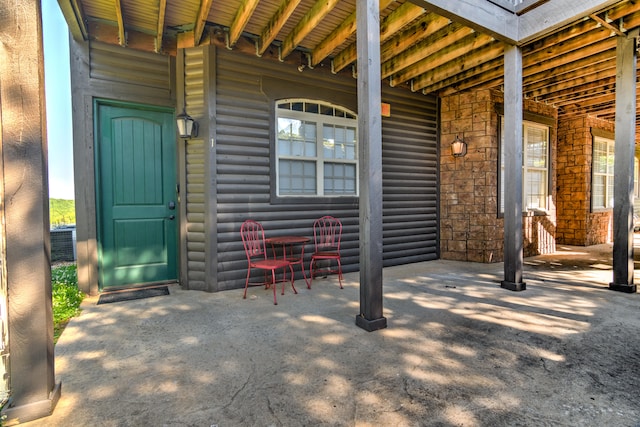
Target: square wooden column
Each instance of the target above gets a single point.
(370, 153)
(513, 240)
(25, 206)
(624, 151)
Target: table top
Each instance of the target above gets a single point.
(285, 240)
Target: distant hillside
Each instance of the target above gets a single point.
(62, 212)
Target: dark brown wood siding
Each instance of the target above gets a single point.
(102, 71)
(246, 88)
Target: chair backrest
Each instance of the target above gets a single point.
(327, 232)
(253, 239)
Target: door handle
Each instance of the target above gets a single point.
(172, 205)
(172, 217)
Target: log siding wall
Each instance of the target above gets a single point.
(245, 90)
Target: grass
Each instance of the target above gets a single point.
(66, 297)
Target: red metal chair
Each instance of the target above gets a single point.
(255, 249)
(327, 232)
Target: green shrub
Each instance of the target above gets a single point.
(66, 296)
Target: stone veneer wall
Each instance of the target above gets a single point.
(471, 228)
(577, 225)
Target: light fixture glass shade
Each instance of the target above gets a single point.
(185, 125)
(458, 147)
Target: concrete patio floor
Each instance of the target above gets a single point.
(458, 351)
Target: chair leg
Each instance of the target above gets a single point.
(305, 275)
(339, 273)
(291, 269)
(311, 267)
(273, 276)
(246, 284)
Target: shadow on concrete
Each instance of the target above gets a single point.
(458, 351)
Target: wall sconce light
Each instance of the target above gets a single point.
(458, 147)
(187, 127)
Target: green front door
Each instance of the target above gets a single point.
(136, 195)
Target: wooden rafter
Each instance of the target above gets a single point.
(545, 81)
(310, 20)
(423, 28)
(339, 35)
(162, 10)
(572, 85)
(241, 19)
(400, 17)
(437, 78)
(277, 21)
(74, 15)
(419, 48)
(585, 91)
(616, 30)
(201, 20)
(122, 39)
(425, 51)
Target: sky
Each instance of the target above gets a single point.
(58, 99)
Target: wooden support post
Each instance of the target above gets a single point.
(370, 152)
(513, 249)
(623, 165)
(25, 206)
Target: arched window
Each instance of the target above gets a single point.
(316, 146)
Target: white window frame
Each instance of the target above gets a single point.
(527, 198)
(321, 114)
(608, 157)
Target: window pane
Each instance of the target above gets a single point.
(297, 177)
(311, 107)
(598, 194)
(600, 157)
(536, 190)
(536, 147)
(339, 178)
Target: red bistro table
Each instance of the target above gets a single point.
(289, 251)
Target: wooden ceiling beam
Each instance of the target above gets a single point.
(572, 91)
(427, 49)
(621, 11)
(400, 17)
(75, 17)
(122, 38)
(488, 71)
(343, 32)
(201, 20)
(595, 94)
(483, 16)
(537, 64)
(162, 9)
(586, 64)
(603, 70)
(582, 43)
(243, 14)
(616, 30)
(575, 82)
(560, 37)
(423, 28)
(308, 22)
(554, 15)
(439, 77)
(597, 102)
(277, 21)
(445, 55)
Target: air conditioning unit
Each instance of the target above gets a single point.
(63, 243)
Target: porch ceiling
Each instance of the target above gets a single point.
(438, 46)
